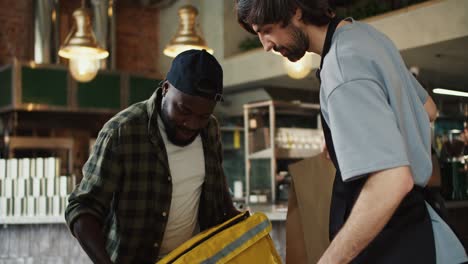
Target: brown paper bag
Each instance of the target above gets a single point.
(309, 209)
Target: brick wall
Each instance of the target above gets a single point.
(137, 40)
(137, 33)
(16, 30)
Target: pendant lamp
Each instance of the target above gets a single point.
(187, 36)
(81, 48)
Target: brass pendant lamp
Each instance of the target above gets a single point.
(299, 69)
(81, 47)
(187, 36)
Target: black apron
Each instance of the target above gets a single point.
(407, 237)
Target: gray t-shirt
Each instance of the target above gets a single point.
(375, 110)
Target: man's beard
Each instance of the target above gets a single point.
(171, 128)
(298, 47)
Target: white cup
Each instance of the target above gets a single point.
(238, 193)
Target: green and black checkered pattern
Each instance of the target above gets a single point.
(127, 184)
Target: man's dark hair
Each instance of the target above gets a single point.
(262, 12)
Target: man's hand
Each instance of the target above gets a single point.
(88, 230)
(379, 198)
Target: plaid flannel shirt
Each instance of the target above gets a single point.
(127, 184)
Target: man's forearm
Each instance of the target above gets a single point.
(379, 198)
(88, 230)
(431, 109)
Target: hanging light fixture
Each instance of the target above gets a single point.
(449, 92)
(299, 69)
(81, 48)
(187, 36)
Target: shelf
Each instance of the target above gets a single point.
(262, 154)
(232, 149)
(456, 204)
(269, 139)
(295, 153)
(231, 129)
(241, 199)
(284, 153)
(25, 220)
(272, 211)
(18, 142)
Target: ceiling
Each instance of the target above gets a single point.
(443, 65)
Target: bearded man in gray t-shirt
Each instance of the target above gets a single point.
(376, 124)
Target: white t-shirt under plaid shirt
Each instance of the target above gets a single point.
(187, 170)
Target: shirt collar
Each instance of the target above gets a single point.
(152, 107)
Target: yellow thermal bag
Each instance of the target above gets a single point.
(244, 239)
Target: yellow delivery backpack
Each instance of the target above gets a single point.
(244, 239)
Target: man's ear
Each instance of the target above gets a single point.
(297, 18)
(298, 14)
(165, 87)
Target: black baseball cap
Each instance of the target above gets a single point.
(197, 73)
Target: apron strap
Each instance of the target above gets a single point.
(327, 44)
(326, 48)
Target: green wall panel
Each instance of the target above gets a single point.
(5, 87)
(102, 92)
(44, 86)
(141, 89)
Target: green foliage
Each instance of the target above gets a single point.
(368, 8)
(249, 43)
